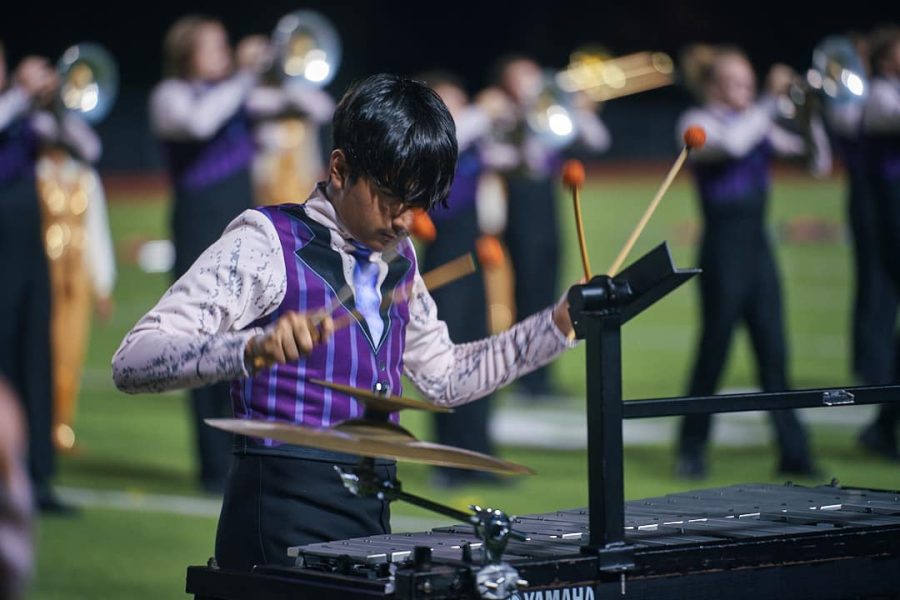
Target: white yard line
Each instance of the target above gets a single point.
(192, 506)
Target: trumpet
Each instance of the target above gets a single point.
(307, 48)
(89, 81)
(600, 79)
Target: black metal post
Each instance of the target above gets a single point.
(606, 491)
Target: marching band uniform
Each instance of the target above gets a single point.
(739, 280)
(288, 158)
(79, 247)
(881, 126)
(531, 170)
(462, 306)
(293, 258)
(206, 133)
(875, 301)
(25, 355)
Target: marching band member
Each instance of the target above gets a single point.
(287, 129)
(25, 355)
(252, 298)
(463, 305)
(531, 168)
(739, 280)
(881, 128)
(81, 260)
(199, 113)
(875, 300)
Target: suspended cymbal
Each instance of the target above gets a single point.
(374, 439)
(380, 402)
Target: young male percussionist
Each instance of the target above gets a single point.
(253, 297)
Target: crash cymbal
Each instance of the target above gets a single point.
(374, 439)
(381, 402)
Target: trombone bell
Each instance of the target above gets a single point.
(307, 48)
(89, 81)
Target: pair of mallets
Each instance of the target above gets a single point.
(573, 177)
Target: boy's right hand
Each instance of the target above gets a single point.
(291, 337)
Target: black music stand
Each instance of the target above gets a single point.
(598, 310)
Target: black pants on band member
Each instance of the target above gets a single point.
(274, 502)
(532, 238)
(25, 356)
(739, 283)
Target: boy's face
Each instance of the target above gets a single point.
(372, 216)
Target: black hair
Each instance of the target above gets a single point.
(399, 134)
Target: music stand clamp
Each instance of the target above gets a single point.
(598, 310)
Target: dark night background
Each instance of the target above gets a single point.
(406, 36)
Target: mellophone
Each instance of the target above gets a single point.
(741, 541)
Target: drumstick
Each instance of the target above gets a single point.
(573, 176)
(694, 137)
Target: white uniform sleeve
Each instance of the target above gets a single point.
(99, 254)
(195, 335)
(882, 109)
(453, 374)
(13, 104)
(178, 112)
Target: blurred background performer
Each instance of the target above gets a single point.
(530, 164)
(881, 129)
(16, 531)
(875, 300)
(462, 305)
(199, 114)
(740, 282)
(78, 243)
(25, 356)
(288, 115)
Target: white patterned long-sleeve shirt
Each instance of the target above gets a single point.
(197, 332)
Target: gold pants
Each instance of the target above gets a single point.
(70, 321)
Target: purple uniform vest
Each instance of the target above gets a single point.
(314, 278)
(198, 164)
(18, 151)
(738, 186)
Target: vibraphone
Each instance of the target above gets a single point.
(741, 541)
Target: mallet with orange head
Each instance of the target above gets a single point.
(694, 137)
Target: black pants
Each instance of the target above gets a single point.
(25, 322)
(275, 502)
(463, 306)
(875, 299)
(532, 238)
(198, 219)
(739, 284)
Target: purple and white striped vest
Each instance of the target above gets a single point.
(315, 276)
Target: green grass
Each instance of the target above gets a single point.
(142, 443)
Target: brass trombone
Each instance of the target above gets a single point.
(600, 78)
(604, 78)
